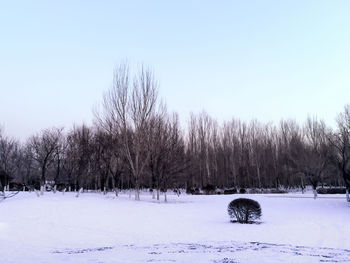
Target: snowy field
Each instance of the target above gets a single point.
(96, 228)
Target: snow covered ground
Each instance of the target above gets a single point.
(97, 228)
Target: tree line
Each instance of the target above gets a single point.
(136, 143)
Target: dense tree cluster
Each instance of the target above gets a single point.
(135, 143)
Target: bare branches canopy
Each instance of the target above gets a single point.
(135, 143)
(128, 108)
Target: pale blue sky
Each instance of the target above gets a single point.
(248, 59)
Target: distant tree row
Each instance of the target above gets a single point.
(135, 143)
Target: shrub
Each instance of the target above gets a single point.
(242, 191)
(255, 191)
(331, 190)
(244, 210)
(337, 191)
(193, 191)
(278, 191)
(230, 191)
(189, 190)
(322, 191)
(209, 189)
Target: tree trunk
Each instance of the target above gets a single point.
(43, 180)
(258, 173)
(2, 189)
(207, 169)
(137, 194)
(114, 185)
(137, 188)
(302, 185)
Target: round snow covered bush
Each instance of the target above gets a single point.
(244, 210)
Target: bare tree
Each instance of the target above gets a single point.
(167, 152)
(127, 109)
(70, 162)
(230, 153)
(244, 155)
(44, 147)
(256, 148)
(9, 155)
(28, 174)
(340, 140)
(117, 165)
(289, 136)
(59, 156)
(205, 130)
(107, 159)
(192, 151)
(309, 153)
(176, 163)
(78, 156)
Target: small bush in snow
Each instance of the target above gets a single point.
(191, 190)
(242, 191)
(331, 190)
(209, 189)
(255, 191)
(336, 191)
(278, 191)
(322, 191)
(244, 210)
(230, 191)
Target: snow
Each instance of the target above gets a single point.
(105, 228)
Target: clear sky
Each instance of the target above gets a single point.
(248, 59)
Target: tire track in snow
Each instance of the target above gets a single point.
(219, 252)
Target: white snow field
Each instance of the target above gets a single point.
(100, 228)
